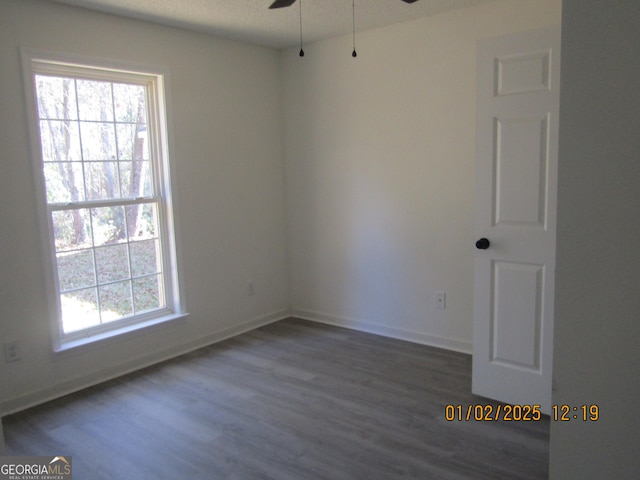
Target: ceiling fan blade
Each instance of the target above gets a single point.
(282, 3)
(288, 3)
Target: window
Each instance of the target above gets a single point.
(103, 169)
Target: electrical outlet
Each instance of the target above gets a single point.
(441, 300)
(251, 289)
(11, 351)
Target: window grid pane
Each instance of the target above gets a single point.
(95, 147)
(78, 124)
(76, 270)
(115, 249)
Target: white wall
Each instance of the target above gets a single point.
(597, 319)
(227, 154)
(380, 160)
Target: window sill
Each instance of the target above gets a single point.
(118, 334)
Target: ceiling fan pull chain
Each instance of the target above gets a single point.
(288, 3)
(301, 50)
(354, 54)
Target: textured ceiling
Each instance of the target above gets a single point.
(252, 21)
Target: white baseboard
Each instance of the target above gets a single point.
(385, 331)
(1, 438)
(84, 381)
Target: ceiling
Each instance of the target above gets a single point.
(252, 21)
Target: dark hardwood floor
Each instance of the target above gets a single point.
(293, 400)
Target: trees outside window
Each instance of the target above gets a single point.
(104, 172)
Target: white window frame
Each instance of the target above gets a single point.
(155, 79)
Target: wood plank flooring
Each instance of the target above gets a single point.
(293, 400)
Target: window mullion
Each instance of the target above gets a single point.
(94, 288)
(117, 202)
(95, 265)
(77, 120)
(115, 133)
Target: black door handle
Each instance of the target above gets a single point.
(483, 244)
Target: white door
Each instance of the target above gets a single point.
(517, 159)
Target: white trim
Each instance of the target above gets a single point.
(383, 330)
(35, 152)
(2, 445)
(106, 65)
(126, 330)
(81, 382)
(155, 79)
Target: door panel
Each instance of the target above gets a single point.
(515, 326)
(520, 165)
(516, 170)
(522, 73)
